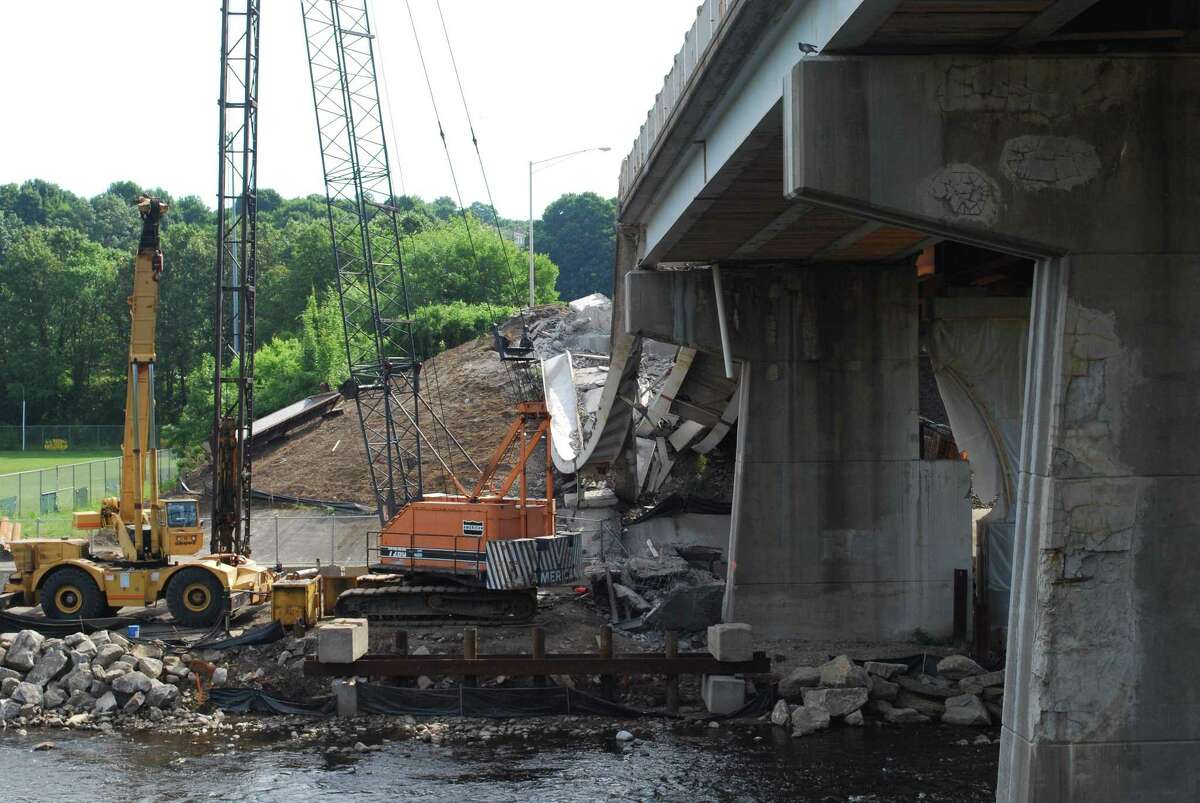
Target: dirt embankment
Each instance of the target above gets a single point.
(467, 386)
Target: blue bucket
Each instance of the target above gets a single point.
(134, 631)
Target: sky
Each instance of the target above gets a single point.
(115, 89)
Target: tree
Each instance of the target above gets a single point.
(578, 231)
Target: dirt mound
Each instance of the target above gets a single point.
(467, 386)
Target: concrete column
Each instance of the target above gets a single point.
(837, 524)
(838, 529)
(1103, 694)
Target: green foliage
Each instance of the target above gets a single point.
(66, 270)
(465, 260)
(578, 231)
(437, 327)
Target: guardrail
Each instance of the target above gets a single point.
(709, 18)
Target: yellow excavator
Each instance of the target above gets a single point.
(69, 580)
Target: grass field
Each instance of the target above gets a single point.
(11, 462)
(56, 483)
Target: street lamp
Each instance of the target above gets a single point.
(562, 157)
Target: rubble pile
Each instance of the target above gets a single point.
(961, 693)
(663, 592)
(96, 680)
(72, 680)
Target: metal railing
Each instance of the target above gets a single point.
(30, 496)
(709, 18)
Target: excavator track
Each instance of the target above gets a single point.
(403, 603)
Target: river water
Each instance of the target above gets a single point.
(727, 764)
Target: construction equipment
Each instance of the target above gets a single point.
(66, 577)
(478, 552)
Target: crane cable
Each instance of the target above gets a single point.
(525, 381)
(444, 439)
(450, 164)
(478, 155)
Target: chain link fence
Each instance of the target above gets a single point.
(60, 437)
(51, 494)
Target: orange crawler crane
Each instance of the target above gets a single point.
(479, 553)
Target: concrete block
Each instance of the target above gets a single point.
(731, 642)
(345, 693)
(723, 694)
(342, 641)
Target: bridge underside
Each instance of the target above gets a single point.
(1070, 181)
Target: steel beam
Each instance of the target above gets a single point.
(696, 663)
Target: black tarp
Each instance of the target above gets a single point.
(255, 701)
(10, 622)
(487, 702)
(263, 634)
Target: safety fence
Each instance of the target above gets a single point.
(60, 437)
(309, 540)
(39, 496)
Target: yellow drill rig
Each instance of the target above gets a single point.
(69, 580)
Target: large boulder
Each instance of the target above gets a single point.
(107, 655)
(147, 651)
(53, 698)
(131, 683)
(162, 695)
(78, 680)
(781, 714)
(27, 694)
(841, 672)
(81, 701)
(150, 667)
(966, 709)
(806, 720)
(957, 667)
(80, 643)
(838, 702)
(881, 689)
(904, 716)
(100, 638)
(6, 673)
(135, 702)
(688, 608)
(9, 709)
(925, 705)
(106, 704)
(975, 684)
(8, 686)
(804, 677)
(884, 670)
(48, 667)
(927, 687)
(25, 649)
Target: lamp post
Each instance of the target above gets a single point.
(560, 158)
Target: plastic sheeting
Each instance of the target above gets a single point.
(263, 634)
(978, 350)
(255, 701)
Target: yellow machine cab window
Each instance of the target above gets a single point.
(182, 513)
